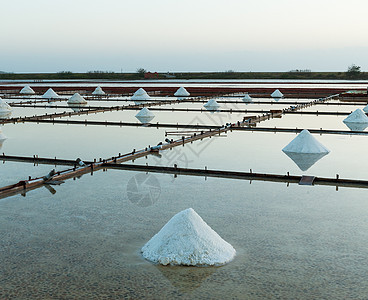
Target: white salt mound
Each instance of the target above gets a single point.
(98, 91)
(357, 116)
(212, 105)
(277, 94)
(305, 143)
(145, 115)
(77, 99)
(187, 240)
(182, 92)
(140, 95)
(50, 94)
(4, 107)
(247, 98)
(27, 90)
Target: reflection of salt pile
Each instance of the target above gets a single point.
(2, 138)
(140, 95)
(305, 150)
(98, 91)
(27, 90)
(182, 92)
(76, 99)
(247, 98)
(212, 105)
(145, 115)
(277, 94)
(187, 240)
(50, 94)
(357, 120)
(76, 107)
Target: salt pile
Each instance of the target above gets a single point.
(140, 95)
(4, 107)
(277, 94)
(357, 116)
(27, 90)
(305, 150)
(98, 91)
(76, 99)
(182, 92)
(50, 94)
(187, 240)
(145, 115)
(247, 98)
(212, 105)
(365, 109)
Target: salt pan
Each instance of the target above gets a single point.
(187, 240)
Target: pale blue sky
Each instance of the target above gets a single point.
(191, 35)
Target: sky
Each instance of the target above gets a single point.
(190, 35)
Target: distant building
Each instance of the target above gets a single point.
(150, 75)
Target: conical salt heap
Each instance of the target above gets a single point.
(357, 116)
(305, 143)
(27, 90)
(145, 115)
(277, 94)
(212, 105)
(4, 107)
(98, 91)
(182, 92)
(140, 95)
(247, 98)
(305, 150)
(187, 240)
(50, 94)
(365, 109)
(77, 99)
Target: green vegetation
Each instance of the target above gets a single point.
(353, 73)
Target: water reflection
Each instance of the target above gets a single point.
(76, 107)
(356, 126)
(186, 279)
(305, 160)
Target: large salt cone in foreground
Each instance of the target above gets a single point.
(50, 94)
(187, 240)
(98, 91)
(305, 150)
(145, 115)
(182, 92)
(247, 98)
(77, 99)
(140, 95)
(212, 105)
(27, 90)
(277, 94)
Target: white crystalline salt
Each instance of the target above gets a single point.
(187, 240)
(145, 115)
(212, 105)
(27, 90)
(140, 95)
(247, 98)
(365, 109)
(98, 91)
(357, 116)
(305, 143)
(182, 92)
(4, 107)
(77, 99)
(277, 94)
(50, 94)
